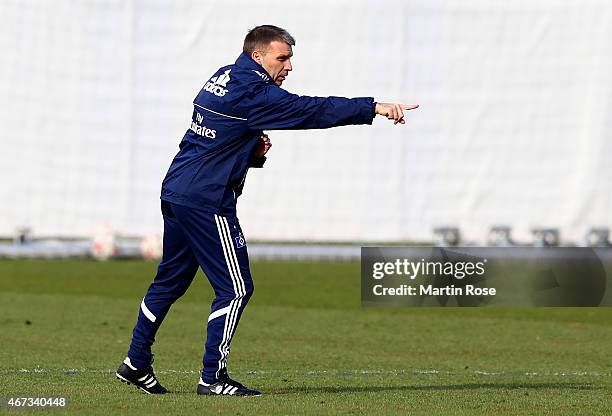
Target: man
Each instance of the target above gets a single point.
(200, 191)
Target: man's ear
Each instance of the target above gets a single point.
(257, 56)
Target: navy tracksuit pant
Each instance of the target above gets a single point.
(195, 238)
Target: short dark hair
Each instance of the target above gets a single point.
(261, 36)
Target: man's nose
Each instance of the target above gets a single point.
(288, 66)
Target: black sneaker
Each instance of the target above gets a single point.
(225, 387)
(143, 379)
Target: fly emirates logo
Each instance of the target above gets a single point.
(217, 85)
(198, 128)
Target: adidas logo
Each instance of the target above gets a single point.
(263, 76)
(217, 85)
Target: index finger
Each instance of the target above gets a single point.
(409, 106)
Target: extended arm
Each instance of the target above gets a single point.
(276, 109)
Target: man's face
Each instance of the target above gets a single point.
(276, 60)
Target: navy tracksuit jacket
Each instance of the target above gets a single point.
(199, 196)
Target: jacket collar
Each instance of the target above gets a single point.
(246, 62)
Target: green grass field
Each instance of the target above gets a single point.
(304, 340)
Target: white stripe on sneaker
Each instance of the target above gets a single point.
(129, 363)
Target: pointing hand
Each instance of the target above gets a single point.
(394, 112)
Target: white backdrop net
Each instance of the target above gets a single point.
(514, 126)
